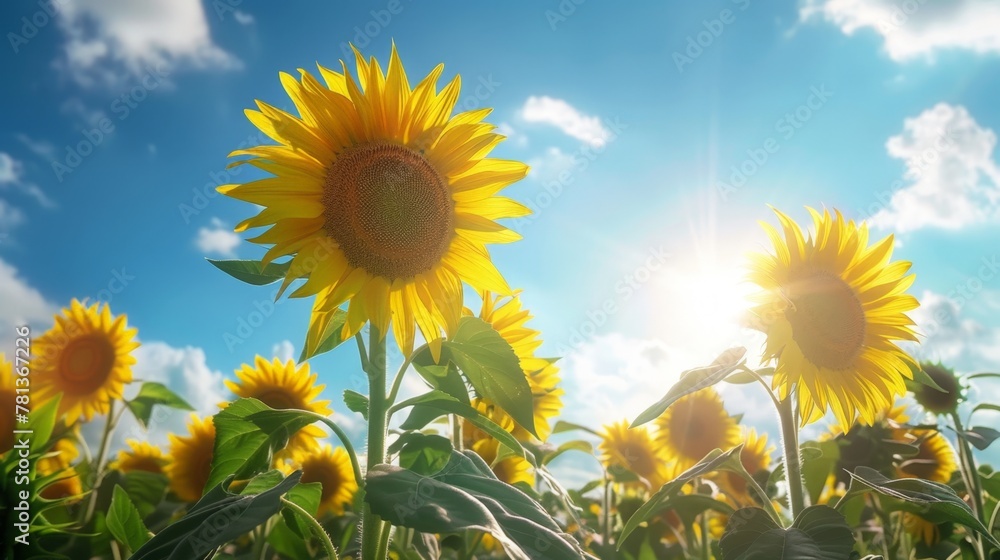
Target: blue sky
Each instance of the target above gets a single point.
(658, 133)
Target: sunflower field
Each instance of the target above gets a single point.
(377, 201)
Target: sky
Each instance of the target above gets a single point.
(658, 133)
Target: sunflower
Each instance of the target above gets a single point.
(332, 469)
(864, 445)
(191, 458)
(7, 396)
(509, 470)
(756, 458)
(695, 425)
(509, 319)
(283, 386)
(385, 199)
(832, 308)
(919, 528)
(934, 461)
(59, 462)
(140, 456)
(935, 401)
(86, 356)
(633, 450)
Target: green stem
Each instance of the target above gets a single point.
(606, 526)
(102, 458)
(793, 461)
(705, 549)
(969, 465)
(972, 483)
(383, 544)
(371, 524)
(318, 529)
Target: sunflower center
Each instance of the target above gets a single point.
(326, 475)
(388, 209)
(85, 363)
(696, 432)
(278, 399)
(828, 321)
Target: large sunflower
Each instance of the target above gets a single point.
(7, 395)
(86, 356)
(283, 386)
(509, 319)
(832, 307)
(191, 459)
(331, 467)
(384, 198)
(633, 450)
(695, 425)
(934, 461)
(140, 456)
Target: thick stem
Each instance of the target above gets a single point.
(371, 524)
(793, 461)
(317, 529)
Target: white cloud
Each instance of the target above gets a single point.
(218, 239)
(41, 148)
(22, 305)
(916, 28)
(951, 180)
(243, 18)
(10, 218)
(108, 40)
(12, 175)
(283, 350)
(566, 118)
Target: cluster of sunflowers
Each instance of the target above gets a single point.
(380, 204)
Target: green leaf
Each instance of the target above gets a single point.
(307, 496)
(356, 402)
(979, 436)
(490, 365)
(716, 460)
(562, 426)
(933, 501)
(151, 394)
(819, 459)
(331, 337)
(694, 380)
(145, 489)
(819, 533)
(573, 445)
(124, 521)
(424, 454)
(435, 403)
(262, 482)
(985, 406)
(988, 375)
(252, 272)
(247, 434)
(920, 377)
(445, 378)
(465, 496)
(41, 422)
(218, 518)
